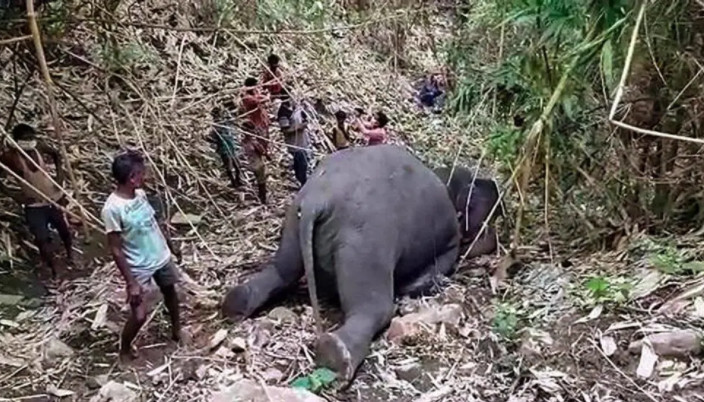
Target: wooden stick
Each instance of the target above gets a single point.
(46, 197)
(36, 35)
(14, 40)
(622, 85)
(63, 190)
(627, 63)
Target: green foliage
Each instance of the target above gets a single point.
(541, 38)
(504, 144)
(117, 58)
(319, 379)
(506, 321)
(606, 290)
(280, 13)
(666, 257)
(55, 16)
(225, 12)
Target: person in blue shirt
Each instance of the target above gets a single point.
(431, 94)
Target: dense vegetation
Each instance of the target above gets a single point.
(513, 63)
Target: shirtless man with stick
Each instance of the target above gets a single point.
(38, 212)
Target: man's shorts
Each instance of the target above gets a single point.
(39, 219)
(164, 277)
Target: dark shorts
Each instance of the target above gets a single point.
(39, 219)
(166, 276)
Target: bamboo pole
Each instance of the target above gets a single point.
(41, 59)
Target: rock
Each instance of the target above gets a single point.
(217, 339)
(273, 375)
(283, 315)
(59, 393)
(115, 392)
(10, 300)
(409, 372)
(55, 349)
(224, 352)
(184, 219)
(261, 334)
(251, 391)
(407, 327)
(97, 381)
(238, 345)
(100, 317)
(681, 343)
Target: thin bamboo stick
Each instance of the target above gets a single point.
(41, 59)
(60, 187)
(46, 197)
(14, 40)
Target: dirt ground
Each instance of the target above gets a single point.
(465, 362)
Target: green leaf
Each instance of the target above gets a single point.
(324, 375)
(597, 285)
(320, 378)
(694, 266)
(302, 382)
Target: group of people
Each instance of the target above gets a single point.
(138, 240)
(293, 119)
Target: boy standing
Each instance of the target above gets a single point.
(340, 134)
(223, 138)
(139, 247)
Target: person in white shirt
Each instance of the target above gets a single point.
(141, 250)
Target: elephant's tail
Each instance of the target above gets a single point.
(306, 224)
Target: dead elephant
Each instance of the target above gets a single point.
(372, 223)
(483, 194)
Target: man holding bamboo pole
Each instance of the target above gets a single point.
(38, 212)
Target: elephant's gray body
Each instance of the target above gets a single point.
(372, 223)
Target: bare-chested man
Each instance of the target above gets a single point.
(38, 212)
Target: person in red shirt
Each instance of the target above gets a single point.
(271, 76)
(374, 131)
(256, 138)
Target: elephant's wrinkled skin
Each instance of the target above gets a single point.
(376, 224)
(484, 195)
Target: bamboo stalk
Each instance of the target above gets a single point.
(532, 139)
(10, 41)
(46, 197)
(41, 59)
(627, 64)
